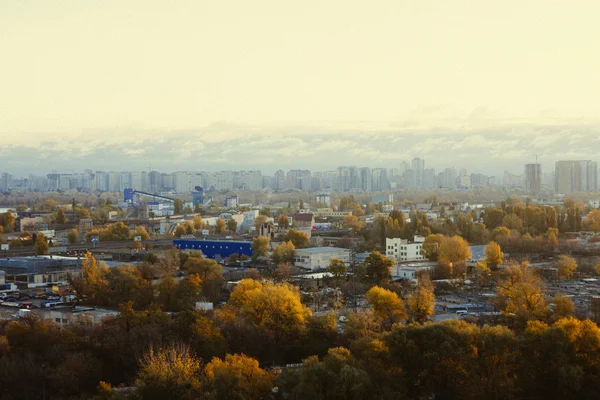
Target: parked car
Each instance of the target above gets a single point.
(23, 298)
(10, 299)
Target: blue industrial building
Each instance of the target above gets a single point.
(216, 249)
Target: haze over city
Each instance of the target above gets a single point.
(197, 85)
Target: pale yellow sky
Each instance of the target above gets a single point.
(71, 66)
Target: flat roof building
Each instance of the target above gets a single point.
(216, 249)
(319, 257)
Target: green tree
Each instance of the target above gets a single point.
(378, 268)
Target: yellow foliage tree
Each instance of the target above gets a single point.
(520, 292)
(169, 373)
(274, 309)
(41, 244)
(493, 255)
(237, 377)
(420, 303)
(386, 305)
(566, 266)
(284, 253)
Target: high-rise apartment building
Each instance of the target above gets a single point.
(576, 176)
(365, 178)
(447, 178)
(533, 178)
(418, 166)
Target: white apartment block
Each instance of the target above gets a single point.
(402, 250)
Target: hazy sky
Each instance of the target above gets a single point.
(211, 85)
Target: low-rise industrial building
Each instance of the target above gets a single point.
(215, 249)
(26, 271)
(319, 257)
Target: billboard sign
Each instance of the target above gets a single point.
(4, 247)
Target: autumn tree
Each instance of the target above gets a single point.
(562, 307)
(258, 221)
(179, 230)
(552, 235)
(260, 247)
(170, 372)
(178, 207)
(41, 244)
(73, 236)
(420, 303)
(298, 238)
(284, 253)
(520, 292)
(221, 226)
(592, 221)
(237, 377)
(141, 232)
(493, 255)
(232, 225)
(60, 216)
(197, 222)
(338, 269)
(210, 273)
(7, 221)
(431, 246)
(565, 266)
(352, 222)
(283, 221)
(273, 309)
(453, 254)
(338, 376)
(378, 267)
(94, 284)
(386, 305)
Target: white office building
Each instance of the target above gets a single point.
(403, 250)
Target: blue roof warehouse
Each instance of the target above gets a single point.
(216, 249)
